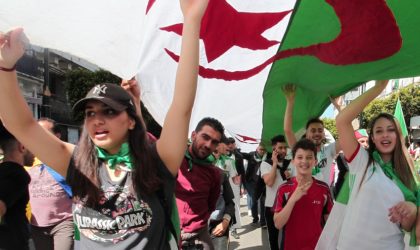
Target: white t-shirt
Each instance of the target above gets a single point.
(325, 158)
(271, 192)
(366, 224)
(228, 167)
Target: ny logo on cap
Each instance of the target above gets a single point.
(99, 89)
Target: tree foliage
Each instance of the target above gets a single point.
(410, 103)
(80, 81)
(330, 125)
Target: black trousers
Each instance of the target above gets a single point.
(273, 232)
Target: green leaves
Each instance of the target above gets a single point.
(410, 102)
(80, 81)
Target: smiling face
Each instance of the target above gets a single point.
(304, 160)
(205, 141)
(315, 133)
(107, 128)
(384, 136)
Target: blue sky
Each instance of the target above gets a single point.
(329, 112)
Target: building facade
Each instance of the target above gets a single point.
(41, 76)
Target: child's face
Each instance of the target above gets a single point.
(304, 161)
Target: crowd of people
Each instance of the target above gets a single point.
(122, 188)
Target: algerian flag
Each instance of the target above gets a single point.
(399, 115)
(333, 46)
(106, 33)
(127, 37)
(330, 47)
(236, 37)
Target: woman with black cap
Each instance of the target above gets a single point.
(122, 185)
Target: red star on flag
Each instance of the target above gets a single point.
(149, 5)
(224, 27)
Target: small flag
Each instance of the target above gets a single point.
(398, 113)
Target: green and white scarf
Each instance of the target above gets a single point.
(204, 162)
(122, 157)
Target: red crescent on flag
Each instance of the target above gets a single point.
(246, 139)
(362, 39)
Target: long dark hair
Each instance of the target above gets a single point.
(402, 164)
(145, 177)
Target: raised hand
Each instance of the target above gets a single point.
(12, 47)
(289, 91)
(132, 87)
(337, 102)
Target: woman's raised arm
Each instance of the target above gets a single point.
(345, 129)
(15, 113)
(173, 140)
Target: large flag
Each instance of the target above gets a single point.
(106, 33)
(236, 37)
(129, 37)
(398, 113)
(331, 46)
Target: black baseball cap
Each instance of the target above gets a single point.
(110, 94)
(4, 133)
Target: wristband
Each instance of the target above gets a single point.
(227, 217)
(8, 69)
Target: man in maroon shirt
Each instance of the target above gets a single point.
(198, 184)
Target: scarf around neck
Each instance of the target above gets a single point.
(203, 162)
(409, 195)
(389, 171)
(258, 158)
(122, 157)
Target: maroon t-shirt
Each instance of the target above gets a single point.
(306, 221)
(196, 191)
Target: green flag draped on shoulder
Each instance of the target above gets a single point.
(331, 47)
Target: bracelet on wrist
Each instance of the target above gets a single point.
(8, 69)
(227, 217)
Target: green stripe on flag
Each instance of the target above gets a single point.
(317, 23)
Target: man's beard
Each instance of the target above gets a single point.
(28, 159)
(317, 142)
(196, 153)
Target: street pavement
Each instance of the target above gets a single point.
(255, 238)
(250, 237)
